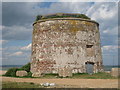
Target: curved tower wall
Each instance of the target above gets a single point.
(65, 42)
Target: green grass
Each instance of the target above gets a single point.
(100, 75)
(20, 85)
(63, 15)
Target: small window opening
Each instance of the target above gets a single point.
(89, 46)
(89, 50)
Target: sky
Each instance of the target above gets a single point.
(18, 17)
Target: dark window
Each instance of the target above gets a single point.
(89, 46)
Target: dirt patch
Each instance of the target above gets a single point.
(71, 83)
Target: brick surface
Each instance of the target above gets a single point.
(62, 42)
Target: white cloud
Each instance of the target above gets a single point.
(16, 32)
(105, 31)
(60, 0)
(16, 54)
(1, 49)
(113, 31)
(23, 0)
(109, 47)
(28, 47)
(1, 27)
(103, 11)
(3, 41)
(88, 0)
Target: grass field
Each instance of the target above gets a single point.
(100, 75)
(20, 85)
(82, 80)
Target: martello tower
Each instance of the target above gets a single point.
(65, 40)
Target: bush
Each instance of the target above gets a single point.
(82, 16)
(38, 17)
(29, 74)
(26, 67)
(11, 72)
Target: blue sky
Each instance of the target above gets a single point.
(18, 17)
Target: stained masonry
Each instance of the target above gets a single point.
(60, 43)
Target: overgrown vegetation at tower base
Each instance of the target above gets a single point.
(12, 71)
(101, 75)
(62, 15)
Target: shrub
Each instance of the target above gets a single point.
(29, 74)
(26, 67)
(38, 17)
(83, 16)
(11, 72)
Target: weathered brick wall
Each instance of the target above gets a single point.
(62, 42)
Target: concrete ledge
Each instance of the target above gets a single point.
(65, 19)
(115, 72)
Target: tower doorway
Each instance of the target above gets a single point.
(89, 67)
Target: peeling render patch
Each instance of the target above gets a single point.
(60, 43)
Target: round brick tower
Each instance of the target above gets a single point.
(60, 42)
